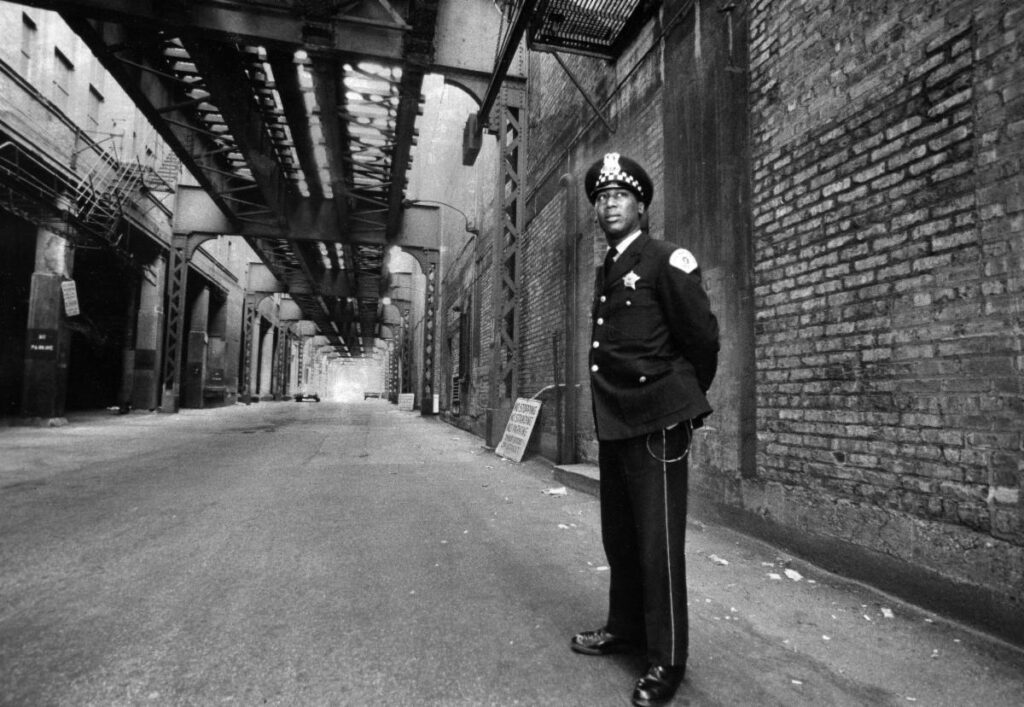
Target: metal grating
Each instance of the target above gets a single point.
(594, 27)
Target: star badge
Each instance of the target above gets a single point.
(630, 280)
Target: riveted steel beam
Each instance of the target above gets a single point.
(286, 77)
(365, 29)
(228, 83)
(155, 94)
(327, 72)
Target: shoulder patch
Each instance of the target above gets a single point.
(683, 259)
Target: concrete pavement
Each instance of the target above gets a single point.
(327, 554)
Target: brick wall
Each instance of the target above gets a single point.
(887, 210)
(541, 326)
(888, 218)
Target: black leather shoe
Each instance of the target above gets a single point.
(601, 642)
(658, 685)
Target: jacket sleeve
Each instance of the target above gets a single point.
(687, 310)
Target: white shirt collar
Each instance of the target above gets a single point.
(625, 243)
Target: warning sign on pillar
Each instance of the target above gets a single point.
(70, 298)
(41, 343)
(518, 430)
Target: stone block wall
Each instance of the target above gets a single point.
(888, 208)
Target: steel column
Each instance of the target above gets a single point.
(429, 260)
(504, 378)
(249, 315)
(277, 375)
(429, 336)
(180, 253)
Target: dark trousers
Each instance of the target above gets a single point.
(643, 526)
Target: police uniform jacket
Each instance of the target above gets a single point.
(655, 342)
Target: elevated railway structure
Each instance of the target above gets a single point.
(297, 118)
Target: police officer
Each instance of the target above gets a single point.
(652, 359)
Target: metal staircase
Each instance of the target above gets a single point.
(102, 196)
(86, 208)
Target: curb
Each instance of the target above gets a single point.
(582, 477)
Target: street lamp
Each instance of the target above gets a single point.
(406, 203)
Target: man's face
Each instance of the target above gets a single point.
(618, 212)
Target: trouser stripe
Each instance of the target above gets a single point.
(668, 544)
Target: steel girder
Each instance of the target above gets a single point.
(231, 102)
(298, 118)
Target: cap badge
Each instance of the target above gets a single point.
(612, 172)
(611, 168)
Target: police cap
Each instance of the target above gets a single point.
(618, 172)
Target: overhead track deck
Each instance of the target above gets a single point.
(298, 117)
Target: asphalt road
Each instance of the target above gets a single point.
(328, 554)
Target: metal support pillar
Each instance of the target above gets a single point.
(429, 338)
(150, 335)
(182, 247)
(48, 342)
(429, 261)
(196, 350)
(249, 317)
(391, 371)
(280, 362)
(504, 378)
(266, 372)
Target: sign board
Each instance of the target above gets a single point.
(41, 343)
(70, 298)
(517, 431)
(406, 401)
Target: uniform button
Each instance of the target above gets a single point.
(603, 298)
(643, 379)
(600, 321)
(596, 344)
(629, 303)
(593, 369)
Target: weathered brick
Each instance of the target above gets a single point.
(925, 225)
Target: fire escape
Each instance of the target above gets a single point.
(89, 209)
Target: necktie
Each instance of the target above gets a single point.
(609, 259)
